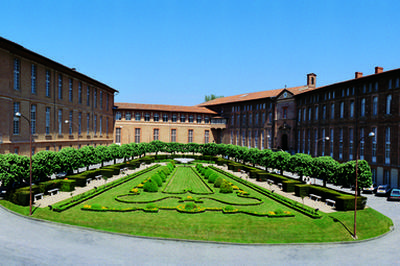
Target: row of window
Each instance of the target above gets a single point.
(156, 135)
(60, 121)
(246, 138)
(34, 78)
(249, 107)
(346, 92)
(250, 121)
(165, 117)
(306, 137)
(351, 110)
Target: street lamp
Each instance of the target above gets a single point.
(316, 144)
(72, 123)
(18, 115)
(370, 135)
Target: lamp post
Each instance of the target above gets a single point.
(73, 124)
(316, 145)
(370, 135)
(18, 115)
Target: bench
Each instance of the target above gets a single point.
(280, 185)
(315, 197)
(53, 191)
(270, 181)
(38, 196)
(330, 202)
(124, 170)
(88, 181)
(98, 177)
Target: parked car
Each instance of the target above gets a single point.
(61, 175)
(371, 189)
(383, 190)
(394, 194)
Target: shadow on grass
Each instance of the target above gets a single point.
(34, 209)
(336, 220)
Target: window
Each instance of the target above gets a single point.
(95, 125)
(256, 119)
(79, 123)
(60, 122)
(364, 88)
(386, 176)
(70, 122)
(269, 138)
(387, 145)
(107, 126)
(101, 99)
(17, 74)
(375, 105)
(238, 120)
(308, 141)
(173, 135)
(128, 116)
(389, 84)
(48, 83)
(60, 87)
(324, 112)
(262, 140)
(16, 120)
(47, 118)
(190, 135)
(95, 98)
(174, 118)
(243, 119)
(199, 119)
(299, 116)
(341, 109)
(33, 119)
(207, 120)
(88, 124)
(137, 117)
(270, 117)
(362, 111)
(232, 119)
(243, 138)
(309, 114)
(316, 112)
(118, 115)
(80, 92)
(362, 143)
(331, 143)
(323, 142)
(397, 83)
(351, 136)
(376, 86)
(165, 118)
(101, 126)
(70, 90)
(332, 111)
(231, 142)
(88, 96)
(284, 112)
(249, 142)
(388, 104)
(250, 119)
(146, 117)
(298, 141)
(351, 109)
(107, 101)
(156, 117)
(341, 144)
(183, 119)
(237, 137)
(304, 142)
(33, 79)
(256, 139)
(156, 132)
(374, 145)
(315, 142)
(263, 118)
(118, 135)
(304, 114)
(191, 119)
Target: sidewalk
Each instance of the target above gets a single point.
(49, 200)
(307, 201)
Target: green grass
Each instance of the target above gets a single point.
(186, 179)
(213, 225)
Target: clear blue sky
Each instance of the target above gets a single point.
(176, 52)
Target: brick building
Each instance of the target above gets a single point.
(65, 108)
(168, 123)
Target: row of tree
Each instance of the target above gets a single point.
(14, 169)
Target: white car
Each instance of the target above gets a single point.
(383, 190)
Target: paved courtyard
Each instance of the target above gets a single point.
(30, 242)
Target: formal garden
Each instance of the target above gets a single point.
(202, 200)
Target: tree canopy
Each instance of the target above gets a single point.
(211, 97)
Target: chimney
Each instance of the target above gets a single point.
(378, 70)
(358, 75)
(311, 80)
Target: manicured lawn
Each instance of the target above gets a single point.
(211, 225)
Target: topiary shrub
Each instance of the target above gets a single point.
(162, 175)
(67, 185)
(212, 178)
(218, 182)
(150, 186)
(226, 187)
(157, 179)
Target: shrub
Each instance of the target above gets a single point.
(218, 182)
(226, 187)
(150, 186)
(157, 179)
(212, 178)
(162, 175)
(67, 185)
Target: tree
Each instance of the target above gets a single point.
(14, 169)
(301, 163)
(211, 97)
(280, 160)
(325, 168)
(43, 165)
(347, 174)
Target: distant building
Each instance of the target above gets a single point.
(65, 108)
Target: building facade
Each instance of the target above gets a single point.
(136, 123)
(63, 107)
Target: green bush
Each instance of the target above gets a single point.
(212, 177)
(67, 185)
(301, 190)
(226, 187)
(162, 175)
(288, 185)
(218, 181)
(150, 186)
(157, 179)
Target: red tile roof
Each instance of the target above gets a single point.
(163, 107)
(254, 96)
